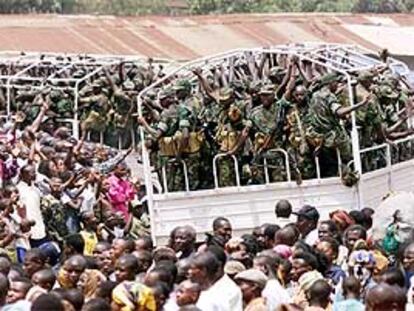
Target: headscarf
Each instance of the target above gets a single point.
(133, 296)
(381, 262)
(93, 278)
(284, 251)
(361, 257)
(342, 219)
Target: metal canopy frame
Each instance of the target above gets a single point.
(344, 59)
(25, 66)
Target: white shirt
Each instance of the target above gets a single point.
(224, 295)
(312, 237)
(88, 199)
(275, 294)
(30, 197)
(282, 221)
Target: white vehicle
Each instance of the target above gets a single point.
(251, 206)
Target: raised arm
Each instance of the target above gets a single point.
(281, 87)
(203, 82)
(343, 111)
(38, 121)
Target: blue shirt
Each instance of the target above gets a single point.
(349, 305)
(335, 273)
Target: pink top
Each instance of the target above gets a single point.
(120, 193)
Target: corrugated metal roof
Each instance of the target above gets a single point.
(184, 38)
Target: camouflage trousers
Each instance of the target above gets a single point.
(193, 161)
(302, 165)
(226, 172)
(275, 167)
(336, 138)
(174, 172)
(206, 166)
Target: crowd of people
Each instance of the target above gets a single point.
(269, 110)
(297, 261)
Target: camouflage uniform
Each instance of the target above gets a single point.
(370, 120)
(168, 126)
(55, 217)
(122, 104)
(95, 109)
(391, 102)
(267, 135)
(61, 104)
(324, 129)
(231, 122)
(188, 111)
(300, 155)
(208, 118)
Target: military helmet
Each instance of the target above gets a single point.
(255, 86)
(165, 93)
(238, 85)
(365, 75)
(78, 74)
(390, 79)
(182, 85)
(330, 77)
(97, 84)
(225, 94)
(388, 92)
(55, 95)
(276, 71)
(267, 89)
(128, 85)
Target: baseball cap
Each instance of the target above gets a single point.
(308, 212)
(254, 276)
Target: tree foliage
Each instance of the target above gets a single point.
(140, 7)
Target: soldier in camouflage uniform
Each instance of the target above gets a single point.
(163, 132)
(95, 107)
(231, 135)
(61, 104)
(189, 136)
(207, 119)
(300, 155)
(267, 131)
(323, 124)
(395, 114)
(370, 119)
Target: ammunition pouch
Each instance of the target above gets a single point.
(227, 140)
(168, 146)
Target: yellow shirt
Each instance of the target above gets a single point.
(90, 239)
